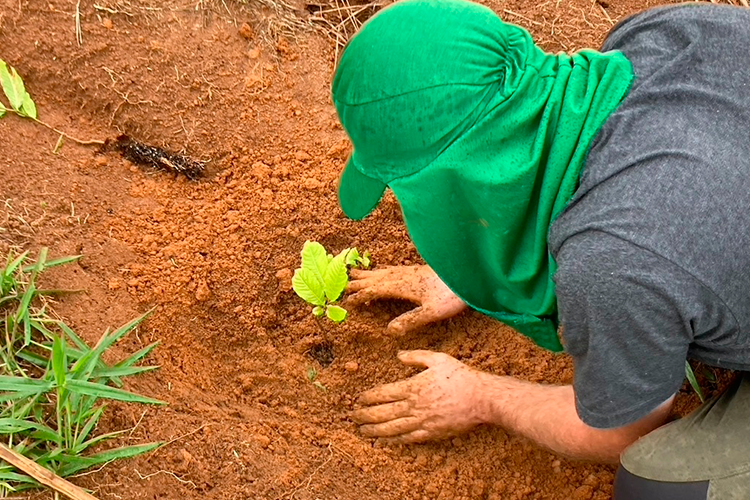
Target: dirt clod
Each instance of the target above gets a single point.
(246, 31)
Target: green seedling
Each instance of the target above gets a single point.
(323, 278)
(312, 375)
(20, 103)
(51, 380)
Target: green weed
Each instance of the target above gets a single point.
(312, 375)
(51, 381)
(693, 381)
(323, 278)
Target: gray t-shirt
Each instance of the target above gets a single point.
(654, 248)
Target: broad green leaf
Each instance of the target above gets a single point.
(318, 311)
(77, 464)
(12, 85)
(314, 259)
(335, 277)
(693, 381)
(104, 391)
(336, 314)
(307, 285)
(28, 107)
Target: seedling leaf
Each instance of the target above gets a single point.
(307, 285)
(336, 314)
(352, 256)
(314, 259)
(318, 311)
(312, 374)
(12, 85)
(335, 278)
(28, 107)
(2, 110)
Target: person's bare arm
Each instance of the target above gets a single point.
(450, 397)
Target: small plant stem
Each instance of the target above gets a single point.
(67, 136)
(78, 141)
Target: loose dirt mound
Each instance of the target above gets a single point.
(244, 88)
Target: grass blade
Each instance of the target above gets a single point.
(98, 439)
(21, 384)
(693, 381)
(15, 425)
(76, 464)
(54, 263)
(121, 371)
(104, 391)
(87, 428)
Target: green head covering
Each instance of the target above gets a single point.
(481, 136)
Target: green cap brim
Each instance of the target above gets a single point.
(358, 193)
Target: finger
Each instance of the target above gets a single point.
(371, 273)
(382, 413)
(392, 427)
(411, 320)
(418, 436)
(359, 274)
(370, 290)
(362, 297)
(421, 358)
(387, 393)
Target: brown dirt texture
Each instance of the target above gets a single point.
(245, 86)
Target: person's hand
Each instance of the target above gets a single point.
(439, 402)
(417, 284)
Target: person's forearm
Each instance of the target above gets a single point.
(546, 414)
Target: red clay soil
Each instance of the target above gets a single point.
(214, 257)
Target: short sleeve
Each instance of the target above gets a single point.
(626, 314)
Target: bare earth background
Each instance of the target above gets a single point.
(215, 256)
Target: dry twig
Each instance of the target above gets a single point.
(43, 475)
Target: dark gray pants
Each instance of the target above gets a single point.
(704, 456)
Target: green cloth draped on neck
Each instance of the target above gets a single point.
(481, 135)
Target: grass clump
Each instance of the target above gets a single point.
(51, 381)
